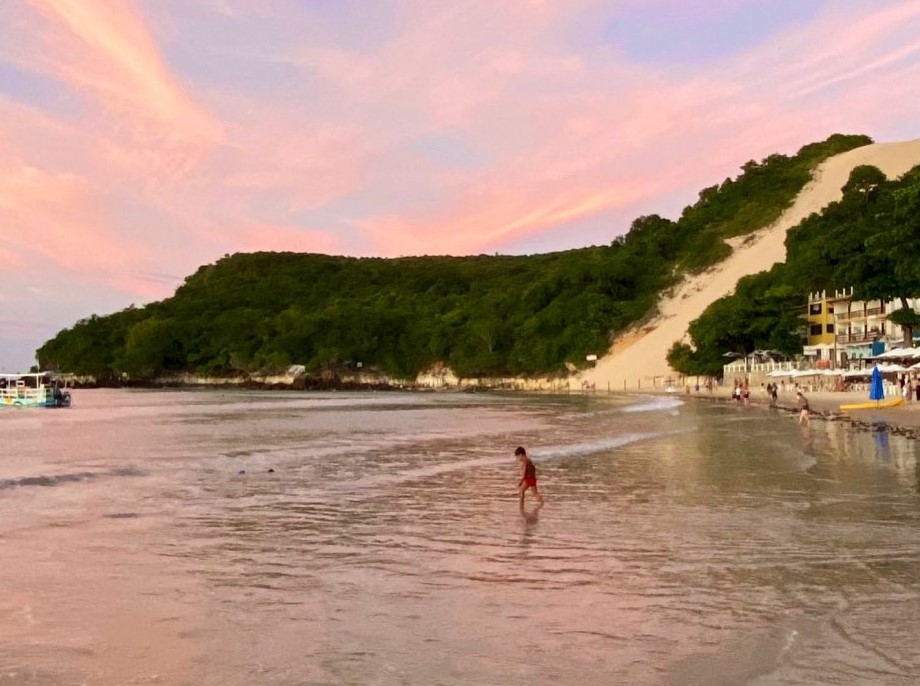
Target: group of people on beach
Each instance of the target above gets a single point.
(741, 392)
(908, 387)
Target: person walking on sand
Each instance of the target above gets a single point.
(528, 475)
(803, 408)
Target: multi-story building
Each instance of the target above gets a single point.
(840, 329)
(820, 335)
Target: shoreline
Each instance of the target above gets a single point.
(903, 420)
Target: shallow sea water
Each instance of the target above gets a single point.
(144, 540)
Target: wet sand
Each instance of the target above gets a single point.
(825, 406)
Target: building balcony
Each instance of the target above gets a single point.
(867, 337)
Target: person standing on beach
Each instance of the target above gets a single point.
(528, 475)
(771, 395)
(803, 408)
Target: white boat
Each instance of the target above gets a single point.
(33, 390)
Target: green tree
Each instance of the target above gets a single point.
(481, 314)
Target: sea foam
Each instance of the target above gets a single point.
(653, 404)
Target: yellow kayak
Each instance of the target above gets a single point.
(874, 404)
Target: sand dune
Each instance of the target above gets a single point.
(637, 359)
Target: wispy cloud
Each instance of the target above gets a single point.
(104, 51)
(162, 135)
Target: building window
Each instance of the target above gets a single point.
(814, 308)
(830, 328)
(815, 329)
(830, 309)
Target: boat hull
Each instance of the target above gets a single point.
(873, 404)
(32, 402)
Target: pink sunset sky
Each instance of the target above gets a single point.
(140, 139)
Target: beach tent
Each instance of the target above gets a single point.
(890, 368)
(899, 354)
(776, 373)
(799, 373)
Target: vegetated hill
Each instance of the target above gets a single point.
(868, 240)
(481, 315)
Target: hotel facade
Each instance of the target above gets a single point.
(840, 331)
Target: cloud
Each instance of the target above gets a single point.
(54, 226)
(575, 135)
(166, 134)
(303, 164)
(104, 51)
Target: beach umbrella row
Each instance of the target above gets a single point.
(899, 354)
(798, 373)
(883, 368)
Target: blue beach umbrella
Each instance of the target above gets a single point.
(876, 390)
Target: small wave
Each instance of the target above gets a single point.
(655, 404)
(426, 472)
(598, 446)
(57, 479)
(537, 454)
(52, 480)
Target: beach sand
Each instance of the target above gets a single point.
(638, 358)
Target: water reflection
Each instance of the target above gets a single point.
(531, 517)
(882, 444)
(688, 544)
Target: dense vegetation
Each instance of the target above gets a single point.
(479, 315)
(482, 315)
(868, 241)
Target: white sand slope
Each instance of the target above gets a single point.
(637, 359)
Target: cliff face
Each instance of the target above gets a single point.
(439, 378)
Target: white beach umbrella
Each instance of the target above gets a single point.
(889, 367)
(899, 354)
(858, 373)
(888, 354)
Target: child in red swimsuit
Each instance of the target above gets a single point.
(528, 476)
